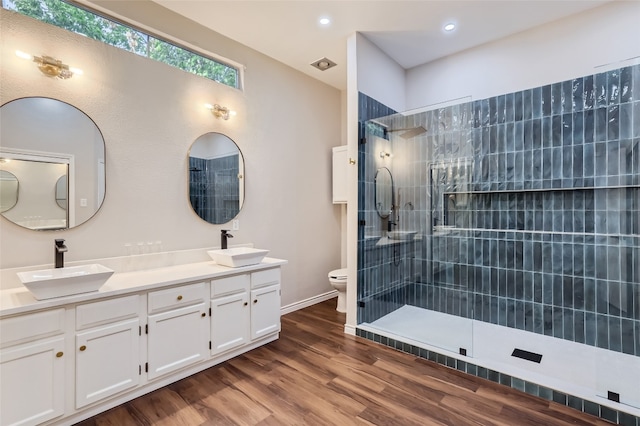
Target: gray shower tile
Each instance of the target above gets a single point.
(600, 124)
(589, 126)
(602, 331)
(558, 322)
(601, 90)
(613, 87)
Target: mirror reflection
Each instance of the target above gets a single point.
(8, 190)
(57, 154)
(384, 192)
(61, 192)
(216, 178)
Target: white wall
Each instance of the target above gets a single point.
(150, 113)
(379, 76)
(561, 50)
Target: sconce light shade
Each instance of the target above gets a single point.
(51, 67)
(219, 111)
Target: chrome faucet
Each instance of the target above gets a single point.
(223, 238)
(59, 250)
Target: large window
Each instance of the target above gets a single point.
(81, 21)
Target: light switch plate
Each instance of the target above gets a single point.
(235, 225)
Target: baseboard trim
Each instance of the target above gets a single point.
(292, 307)
(349, 329)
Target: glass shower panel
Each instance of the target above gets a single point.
(409, 275)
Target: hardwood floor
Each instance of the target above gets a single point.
(316, 375)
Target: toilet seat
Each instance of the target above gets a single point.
(338, 274)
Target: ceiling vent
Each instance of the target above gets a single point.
(323, 64)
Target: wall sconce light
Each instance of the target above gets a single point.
(384, 154)
(51, 67)
(219, 111)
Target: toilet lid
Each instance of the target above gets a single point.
(338, 274)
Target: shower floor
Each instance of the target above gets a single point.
(427, 327)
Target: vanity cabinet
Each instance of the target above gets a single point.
(107, 348)
(32, 368)
(61, 364)
(244, 308)
(230, 313)
(265, 303)
(177, 329)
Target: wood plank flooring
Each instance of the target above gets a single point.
(316, 375)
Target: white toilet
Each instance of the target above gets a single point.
(338, 279)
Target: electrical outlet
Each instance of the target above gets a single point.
(83, 202)
(235, 225)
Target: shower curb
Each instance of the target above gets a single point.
(580, 404)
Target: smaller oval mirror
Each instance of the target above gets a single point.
(8, 190)
(61, 192)
(384, 192)
(216, 178)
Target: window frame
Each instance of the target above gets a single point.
(161, 37)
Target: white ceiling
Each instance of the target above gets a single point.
(409, 31)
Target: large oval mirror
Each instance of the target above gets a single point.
(42, 139)
(384, 192)
(8, 190)
(216, 178)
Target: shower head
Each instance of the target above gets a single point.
(409, 132)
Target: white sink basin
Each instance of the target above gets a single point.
(238, 256)
(401, 235)
(58, 282)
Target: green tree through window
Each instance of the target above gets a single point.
(80, 21)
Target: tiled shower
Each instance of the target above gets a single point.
(525, 208)
(214, 187)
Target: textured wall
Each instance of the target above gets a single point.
(150, 114)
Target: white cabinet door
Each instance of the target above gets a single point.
(107, 361)
(265, 311)
(340, 170)
(32, 382)
(177, 339)
(229, 322)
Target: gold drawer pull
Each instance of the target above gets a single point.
(59, 354)
(83, 348)
(179, 297)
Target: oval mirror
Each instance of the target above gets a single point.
(384, 192)
(8, 189)
(216, 178)
(44, 139)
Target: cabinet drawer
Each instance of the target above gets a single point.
(263, 278)
(230, 285)
(103, 312)
(176, 297)
(25, 328)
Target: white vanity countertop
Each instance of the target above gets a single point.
(19, 300)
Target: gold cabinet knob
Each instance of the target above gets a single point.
(59, 354)
(203, 315)
(83, 348)
(255, 301)
(246, 303)
(179, 297)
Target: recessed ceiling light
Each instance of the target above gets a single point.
(449, 27)
(324, 21)
(323, 64)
